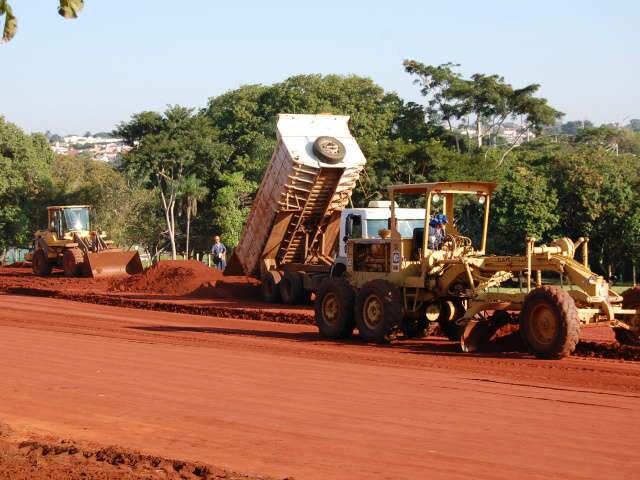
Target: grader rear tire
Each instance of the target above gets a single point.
(549, 323)
(378, 311)
(41, 264)
(626, 337)
(630, 299)
(334, 308)
(72, 262)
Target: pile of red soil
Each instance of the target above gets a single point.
(186, 278)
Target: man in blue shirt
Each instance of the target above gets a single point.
(219, 253)
(437, 231)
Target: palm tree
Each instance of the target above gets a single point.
(193, 192)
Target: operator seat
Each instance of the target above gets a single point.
(416, 246)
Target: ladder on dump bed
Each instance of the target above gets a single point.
(314, 191)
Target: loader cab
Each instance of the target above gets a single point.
(64, 220)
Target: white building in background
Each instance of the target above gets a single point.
(102, 149)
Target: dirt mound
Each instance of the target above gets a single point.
(186, 278)
(36, 458)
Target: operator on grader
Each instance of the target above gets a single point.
(437, 231)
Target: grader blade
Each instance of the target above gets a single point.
(475, 337)
(110, 263)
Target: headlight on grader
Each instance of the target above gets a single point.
(602, 290)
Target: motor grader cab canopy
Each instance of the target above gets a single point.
(68, 218)
(440, 197)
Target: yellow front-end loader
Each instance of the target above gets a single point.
(69, 243)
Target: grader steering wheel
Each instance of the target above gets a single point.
(452, 242)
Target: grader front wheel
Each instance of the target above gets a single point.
(334, 308)
(549, 322)
(378, 311)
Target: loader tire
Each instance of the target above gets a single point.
(378, 311)
(271, 286)
(41, 264)
(292, 289)
(329, 149)
(549, 323)
(334, 308)
(73, 262)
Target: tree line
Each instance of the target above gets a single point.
(193, 172)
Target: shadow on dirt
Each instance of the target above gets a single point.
(426, 346)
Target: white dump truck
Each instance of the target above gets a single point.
(298, 226)
(290, 237)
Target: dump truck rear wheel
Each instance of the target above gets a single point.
(72, 262)
(271, 286)
(41, 264)
(292, 289)
(329, 149)
(378, 311)
(334, 308)
(549, 322)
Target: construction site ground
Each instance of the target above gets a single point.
(90, 384)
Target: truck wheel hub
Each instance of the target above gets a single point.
(372, 311)
(330, 309)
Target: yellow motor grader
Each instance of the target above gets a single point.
(394, 284)
(70, 244)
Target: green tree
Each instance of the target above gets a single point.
(193, 192)
(524, 206)
(167, 149)
(145, 224)
(66, 8)
(231, 206)
(488, 98)
(25, 163)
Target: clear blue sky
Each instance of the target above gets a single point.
(124, 56)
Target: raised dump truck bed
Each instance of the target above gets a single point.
(294, 221)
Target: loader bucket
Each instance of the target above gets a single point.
(109, 263)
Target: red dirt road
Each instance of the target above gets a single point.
(273, 399)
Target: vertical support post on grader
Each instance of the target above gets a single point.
(585, 252)
(530, 241)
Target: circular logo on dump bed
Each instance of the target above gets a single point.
(329, 149)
